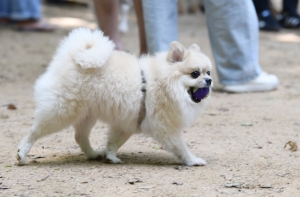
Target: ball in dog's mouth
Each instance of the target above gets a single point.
(198, 94)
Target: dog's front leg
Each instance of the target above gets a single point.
(177, 145)
(116, 138)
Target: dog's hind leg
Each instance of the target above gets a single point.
(82, 131)
(116, 138)
(43, 125)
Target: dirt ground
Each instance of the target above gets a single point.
(241, 136)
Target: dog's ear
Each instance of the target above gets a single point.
(195, 48)
(176, 52)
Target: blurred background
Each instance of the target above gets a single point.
(241, 136)
(26, 54)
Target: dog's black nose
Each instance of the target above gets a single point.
(208, 81)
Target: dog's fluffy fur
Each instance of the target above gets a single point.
(88, 80)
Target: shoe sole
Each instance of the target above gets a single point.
(249, 88)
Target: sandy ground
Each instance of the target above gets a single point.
(242, 137)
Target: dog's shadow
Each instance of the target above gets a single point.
(141, 158)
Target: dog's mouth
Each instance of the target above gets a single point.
(197, 94)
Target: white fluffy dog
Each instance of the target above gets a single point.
(88, 80)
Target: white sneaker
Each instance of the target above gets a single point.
(264, 82)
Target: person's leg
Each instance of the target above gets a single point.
(290, 17)
(233, 32)
(4, 8)
(4, 12)
(266, 19)
(107, 12)
(140, 20)
(261, 5)
(290, 7)
(28, 15)
(160, 18)
(25, 10)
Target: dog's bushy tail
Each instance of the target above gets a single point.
(88, 49)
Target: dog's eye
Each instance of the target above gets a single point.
(195, 74)
(208, 72)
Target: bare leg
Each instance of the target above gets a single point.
(177, 145)
(116, 139)
(107, 15)
(82, 132)
(140, 19)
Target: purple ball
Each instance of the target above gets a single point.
(201, 93)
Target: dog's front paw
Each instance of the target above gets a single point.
(195, 161)
(113, 159)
